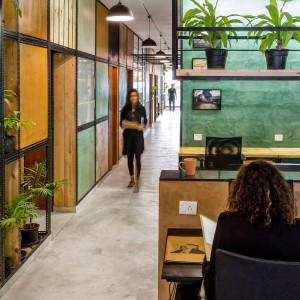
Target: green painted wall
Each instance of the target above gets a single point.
(255, 110)
(86, 161)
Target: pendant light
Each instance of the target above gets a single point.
(148, 43)
(119, 13)
(160, 54)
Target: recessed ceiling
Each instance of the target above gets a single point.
(161, 13)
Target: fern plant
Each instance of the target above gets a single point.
(34, 182)
(20, 212)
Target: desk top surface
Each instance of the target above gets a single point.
(248, 152)
(214, 175)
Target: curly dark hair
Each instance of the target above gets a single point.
(261, 194)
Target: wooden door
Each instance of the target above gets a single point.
(113, 117)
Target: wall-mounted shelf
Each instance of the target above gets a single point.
(238, 74)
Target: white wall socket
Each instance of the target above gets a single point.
(188, 207)
(278, 137)
(197, 137)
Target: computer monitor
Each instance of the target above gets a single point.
(223, 153)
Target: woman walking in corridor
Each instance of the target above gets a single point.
(133, 121)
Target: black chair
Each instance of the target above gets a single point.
(223, 153)
(240, 277)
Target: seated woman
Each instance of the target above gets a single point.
(259, 222)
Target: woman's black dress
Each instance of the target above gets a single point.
(133, 140)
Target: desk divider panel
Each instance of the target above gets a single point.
(34, 18)
(33, 93)
(211, 197)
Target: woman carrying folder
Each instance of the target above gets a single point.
(259, 222)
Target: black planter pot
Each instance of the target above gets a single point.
(8, 266)
(216, 58)
(30, 235)
(9, 144)
(276, 59)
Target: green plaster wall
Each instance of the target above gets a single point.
(86, 161)
(255, 110)
(102, 89)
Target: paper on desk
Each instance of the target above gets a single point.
(208, 229)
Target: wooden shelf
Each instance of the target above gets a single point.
(233, 74)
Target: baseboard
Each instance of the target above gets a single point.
(63, 209)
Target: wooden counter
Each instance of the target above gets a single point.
(248, 152)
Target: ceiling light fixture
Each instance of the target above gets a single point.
(164, 61)
(148, 43)
(119, 13)
(160, 53)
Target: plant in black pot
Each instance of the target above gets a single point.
(16, 214)
(276, 58)
(204, 15)
(34, 184)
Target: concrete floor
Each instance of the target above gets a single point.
(108, 249)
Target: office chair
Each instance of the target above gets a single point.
(240, 277)
(223, 153)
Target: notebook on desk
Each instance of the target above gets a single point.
(208, 229)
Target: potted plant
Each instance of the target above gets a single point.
(276, 58)
(16, 214)
(11, 125)
(16, 5)
(204, 15)
(35, 185)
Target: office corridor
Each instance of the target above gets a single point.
(108, 249)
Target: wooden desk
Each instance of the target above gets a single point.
(248, 152)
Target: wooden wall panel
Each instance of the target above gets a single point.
(86, 26)
(10, 16)
(102, 90)
(33, 93)
(123, 44)
(64, 68)
(114, 42)
(101, 32)
(63, 22)
(130, 42)
(86, 161)
(34, 18)
(211, 197)
(101, 149)
(11, 180)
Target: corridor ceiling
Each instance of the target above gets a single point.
(161, 13)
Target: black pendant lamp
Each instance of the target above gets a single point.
(148, 43)
(160, 53)
(119, 13)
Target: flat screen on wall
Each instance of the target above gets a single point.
(206, 99)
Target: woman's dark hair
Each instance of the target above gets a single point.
(128, 103)
(260, 193)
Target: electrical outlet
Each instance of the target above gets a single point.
(197, 137)
(278, 137)
(188, 207)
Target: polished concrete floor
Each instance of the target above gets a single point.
(108, 249)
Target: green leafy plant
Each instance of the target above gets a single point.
(20, 212)
(9, 96)
(204, 15)
(276, 18)
(16, 5)
(34, 182)
(13, 122)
